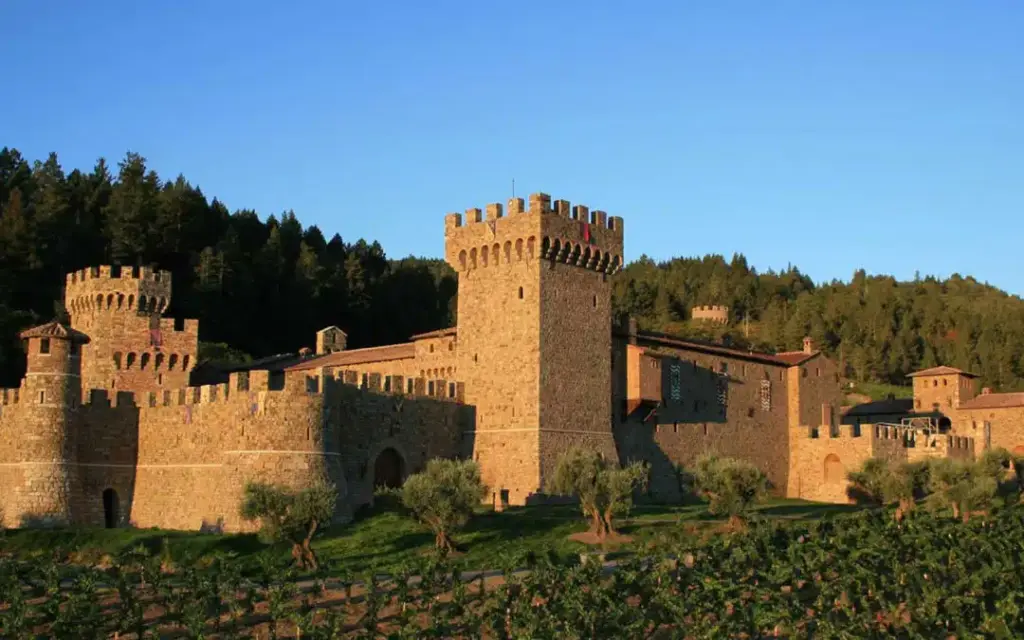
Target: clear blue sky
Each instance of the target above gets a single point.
(830, 135)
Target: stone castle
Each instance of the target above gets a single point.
(105, 428)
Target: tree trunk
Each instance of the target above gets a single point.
(307, 549)
(607, 520)
(443, 541)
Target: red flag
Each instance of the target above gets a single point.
(586, 231)
(155, 339)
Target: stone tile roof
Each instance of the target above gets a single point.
(440, 333)
(795, 358)
(783, 360)
(212, 372)
(894, 406)
(994, 401)
(357, 356)
(54, 330)
(942, 371)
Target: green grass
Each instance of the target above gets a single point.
(384, 539)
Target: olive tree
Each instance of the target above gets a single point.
(730, 486)
(291, 516)
(603, 488)
(443, 497)
(884, 483)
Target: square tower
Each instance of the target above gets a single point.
(534, 334)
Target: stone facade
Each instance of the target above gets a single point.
(105, 428)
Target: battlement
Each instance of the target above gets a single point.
(140, 290)
(9, 396)
(712, 313)
(554, 231)
(298, 383)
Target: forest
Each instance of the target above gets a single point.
(265, 285)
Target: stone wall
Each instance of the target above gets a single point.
(131, 348)
(727, 405)
(1005, 427)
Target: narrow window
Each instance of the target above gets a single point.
(44, 345)
(520, 293)
(42, 397)
(595, 302)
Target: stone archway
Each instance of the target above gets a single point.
(111, 509)
(388, 469)
(834, 471)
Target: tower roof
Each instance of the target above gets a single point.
(55, 330)
(942, 371)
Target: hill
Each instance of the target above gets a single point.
(265, 286)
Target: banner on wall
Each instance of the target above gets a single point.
(675, 387)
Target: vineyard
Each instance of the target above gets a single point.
(859, 575)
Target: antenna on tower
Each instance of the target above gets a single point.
(513, 188)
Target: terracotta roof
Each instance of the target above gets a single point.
(782, 360)
(55, 330)
(440, 333)
(358, 356)
(994, 401)
(942, 371)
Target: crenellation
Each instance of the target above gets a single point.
(494, 211)
(540, 203)
(515, 206)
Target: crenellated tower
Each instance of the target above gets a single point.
(41, 428)
(133, 347)
(534, 334)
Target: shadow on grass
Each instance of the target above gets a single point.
(809, 510)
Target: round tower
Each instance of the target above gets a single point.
(49, 399)
(132, 347)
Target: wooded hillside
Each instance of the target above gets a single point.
(265, 287)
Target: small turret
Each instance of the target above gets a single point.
(50, 396)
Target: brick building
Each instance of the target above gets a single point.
(107, 429)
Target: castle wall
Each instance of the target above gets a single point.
(697, 417)
(180, 459)
(575, 371)
(1006, 427)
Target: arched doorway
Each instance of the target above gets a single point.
(111, 515)
(834, 472)
(389, 469)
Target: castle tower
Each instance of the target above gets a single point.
(132, 348)
(534, 334)
(44, 438)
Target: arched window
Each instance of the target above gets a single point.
(494, 253)
(159, 361)
(184, 363)
(117, 360)
(110, 301)
(519, 249)
(130, 361)
(145, 361)
(485, 253)
(462, 259)
(172, 362)
(99, 300)
(131, 301)
(531, 247)
(143, 303)
(508, 251)
(120, 300)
